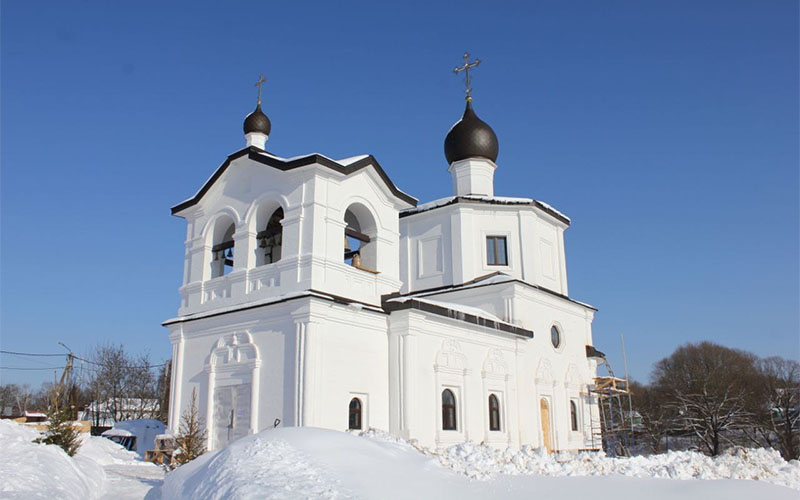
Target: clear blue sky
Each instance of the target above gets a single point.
(668, 131)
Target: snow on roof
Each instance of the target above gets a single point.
(475, 311)
(249, 305)
(547, 206)
(117, 432)
(493, 279)
(352, 159)
(504, 200)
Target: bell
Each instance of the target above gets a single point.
(357, 261)
(262, 243)
(229, 254)
(346, 244)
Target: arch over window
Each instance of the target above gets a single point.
(269, 238)
(360, 249)
(555, 336)
(573, 415)
(222, 251)
(449, 422)
(354, 421)
(494, 413)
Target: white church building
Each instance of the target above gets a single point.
(317, 293)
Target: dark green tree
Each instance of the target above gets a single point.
(60, 429)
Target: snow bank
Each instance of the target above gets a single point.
(482, 462)
(315, 463)
(40, 471)
(30, 470)
(106, 452)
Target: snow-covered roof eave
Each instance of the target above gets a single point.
(496, 278)
(270, 301)
(493, 200)
(460, 312)
(346, 166)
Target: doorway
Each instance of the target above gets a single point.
(544, 411)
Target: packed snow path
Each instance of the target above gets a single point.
(132, 482)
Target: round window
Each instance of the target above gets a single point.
(555, 337)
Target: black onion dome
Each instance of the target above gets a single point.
(470, 137)
(257, 121)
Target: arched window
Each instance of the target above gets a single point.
(573, 415)
(555, 336)
(355, 414)
(270, 239)
(448, 411)
(494, 413)
(222, 255)
(359, 238)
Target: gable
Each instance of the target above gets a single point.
(283, 164)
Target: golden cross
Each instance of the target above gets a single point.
(465, 68)
(261, 81)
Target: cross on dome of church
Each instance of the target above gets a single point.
(470, 137)
(257, 125)
(261, 81)
(465, 68)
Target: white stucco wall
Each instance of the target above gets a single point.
(534, 242)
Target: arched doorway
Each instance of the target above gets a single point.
(544, 412)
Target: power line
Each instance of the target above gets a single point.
(30, 353)
(157, 365)
(21, 368)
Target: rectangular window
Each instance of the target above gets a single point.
(496, 254)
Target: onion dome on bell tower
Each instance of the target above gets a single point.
(257, 125)
(257, 122)
(471, 147)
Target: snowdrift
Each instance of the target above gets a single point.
(315, 463)
(39, 471)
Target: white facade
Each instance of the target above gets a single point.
(459, 294)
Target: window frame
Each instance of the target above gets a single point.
(560, 333)
(494, 238)
(451, 407)
(358, 412)
(573, 415)
(495, 424)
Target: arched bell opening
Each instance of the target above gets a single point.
(360, 247)
(269, 239)
(222, 247)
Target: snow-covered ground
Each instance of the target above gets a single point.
(316, 463)
(100, 470)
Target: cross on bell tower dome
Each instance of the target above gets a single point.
(257, 125)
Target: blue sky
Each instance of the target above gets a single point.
(668, 132)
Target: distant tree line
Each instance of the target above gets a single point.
(710, 397)
(108, 385)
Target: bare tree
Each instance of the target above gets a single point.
(8, 399)
(163, 391)
(648, 401)
(776, 416)
(122, 387)
(708, 387)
